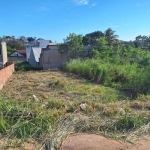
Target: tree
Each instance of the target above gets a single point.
(15, 44)
(10, 50)
(72, 46)
(110, 36)
(31, 39)
(90, 38)
(142, 41)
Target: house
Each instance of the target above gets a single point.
(33, 60)
(51, 58)
(17, 55)
(39, 43)
(42, 43)
(3, 55)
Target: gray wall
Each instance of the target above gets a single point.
(16, 58)
(51, 58)
(3, 55)
(32, 60)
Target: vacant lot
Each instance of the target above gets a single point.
(46, 106)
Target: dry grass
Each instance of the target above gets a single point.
(60, 94)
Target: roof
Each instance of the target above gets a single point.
(52, 44)
(22, 52)
(36, 53)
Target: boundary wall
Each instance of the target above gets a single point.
(6, 73)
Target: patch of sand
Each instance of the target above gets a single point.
(96, 142)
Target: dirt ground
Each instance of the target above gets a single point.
(96, 142)
(92, 142)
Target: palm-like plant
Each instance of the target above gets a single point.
(110, 36)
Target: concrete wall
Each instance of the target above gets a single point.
(16, 58)
(43, 43)
(51, 58)
(34, 57)
(5, 74)
(28, 51)
(32, 60)
(3, 55)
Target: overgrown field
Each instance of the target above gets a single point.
(126, 69)
(46, 106)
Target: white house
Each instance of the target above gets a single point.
(42, 43)
(39, 44)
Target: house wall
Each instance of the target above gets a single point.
(32, 60)
(16, 58)
(28, 51)
(16, 54)
(34, 57)
(5, 74)
(43, 43)
(51, 58)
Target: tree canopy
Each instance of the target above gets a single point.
(72, 45)
(90, 38)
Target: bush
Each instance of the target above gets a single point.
(24, 66)
(126, 69)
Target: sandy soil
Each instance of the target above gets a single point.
(96, 142)
(26, 146)
(92, 142)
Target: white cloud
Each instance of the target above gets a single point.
(93, 4)
(81, 2)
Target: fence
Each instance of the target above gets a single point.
(6, 73)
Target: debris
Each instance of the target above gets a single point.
(36, 99)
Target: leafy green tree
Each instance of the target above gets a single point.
(101, 44)
(10, 50)
(72, 46)
(90, 38)
(31, 39)
(143, 41)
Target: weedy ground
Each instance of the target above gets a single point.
(44, 107)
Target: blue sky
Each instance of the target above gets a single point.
(55, 19)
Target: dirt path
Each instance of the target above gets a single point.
(95, 142)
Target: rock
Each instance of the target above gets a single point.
(122, 111)
(45, 105)
(36, 99)
(83, 106)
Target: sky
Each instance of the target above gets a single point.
(56, 19)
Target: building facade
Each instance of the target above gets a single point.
(51, 58)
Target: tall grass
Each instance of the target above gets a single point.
(126, 69)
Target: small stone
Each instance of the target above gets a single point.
(83, 106)
(122, 111)
(36, 99)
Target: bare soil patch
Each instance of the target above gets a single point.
(90, 142)
(96, 142)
